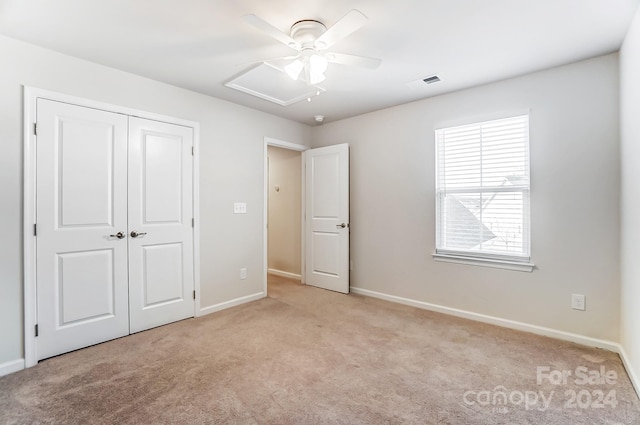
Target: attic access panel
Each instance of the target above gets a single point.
(269, 83)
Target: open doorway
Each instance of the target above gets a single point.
(284, 194)
(284, 248)
(324, 216)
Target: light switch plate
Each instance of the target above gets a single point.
(240, 208)
(578, 302)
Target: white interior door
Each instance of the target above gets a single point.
(161, 280)
(81, 205)
(327, 217)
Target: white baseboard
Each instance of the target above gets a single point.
(12, 366)
(633, 377)
(231, 303)
(284, 274)
(511, 324)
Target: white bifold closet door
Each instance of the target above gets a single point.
(114, 235)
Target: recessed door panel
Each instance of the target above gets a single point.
(326, 249)
(325, 175)
(162, 275)
(162, 177)
(86, 286)
(81, 186)
(85, 171)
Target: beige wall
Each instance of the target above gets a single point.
(284, 248)
(231, 164)
(575, 166)
(630, 227)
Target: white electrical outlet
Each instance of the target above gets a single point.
(578, 302)
(243, 273)
(240, 208)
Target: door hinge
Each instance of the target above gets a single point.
(193, 150)
(194, 294)
(193, 222)
(35, 229)
(36, 330)
(35, 129)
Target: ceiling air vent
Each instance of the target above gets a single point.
(431, 80)
(422, 83)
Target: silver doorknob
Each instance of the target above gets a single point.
(342, 225)
(135, 234)
(119, 235)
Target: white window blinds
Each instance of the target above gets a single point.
(482, 189)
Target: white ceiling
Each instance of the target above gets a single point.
(202, 44)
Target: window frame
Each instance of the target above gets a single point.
(519, 262)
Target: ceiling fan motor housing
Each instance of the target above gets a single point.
(307, 31)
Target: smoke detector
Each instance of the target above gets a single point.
(319, 118)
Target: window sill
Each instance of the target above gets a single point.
(485, 262)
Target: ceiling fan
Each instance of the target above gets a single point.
(311, 38)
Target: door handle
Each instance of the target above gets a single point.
(119, 235)
(135, 234)
(341, 225)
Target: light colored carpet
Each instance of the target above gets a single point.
(309, 356)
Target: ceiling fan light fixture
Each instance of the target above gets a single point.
(318, 64)
(313, 66)
(316, 78)
(309, 37)
(294, 69)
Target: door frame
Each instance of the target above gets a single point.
(269, 141)
(30, 96)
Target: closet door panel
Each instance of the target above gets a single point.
(161, 235)
(81, 186)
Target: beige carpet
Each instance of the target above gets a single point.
(309, 356)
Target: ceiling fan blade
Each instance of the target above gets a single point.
(353, 60)
(269, 29)
(349, 23)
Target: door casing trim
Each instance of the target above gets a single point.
(30, 96)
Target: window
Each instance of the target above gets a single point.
(482, 191)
